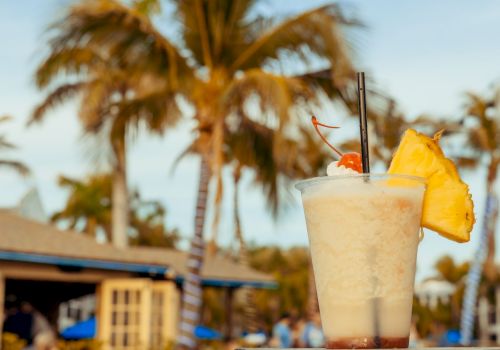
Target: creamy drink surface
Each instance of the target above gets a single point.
(363, 236)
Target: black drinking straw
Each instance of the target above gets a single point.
(363, 124)
(365, 160)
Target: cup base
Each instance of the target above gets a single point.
(368, 343)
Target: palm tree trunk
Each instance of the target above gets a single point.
(192, 293)
(91, 227)
(218, 163)
(249, 311)
(489, 264)
(484, 251)
(120, 209)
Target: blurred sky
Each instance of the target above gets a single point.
(425, 53)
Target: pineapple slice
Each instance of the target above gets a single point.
(448, 208)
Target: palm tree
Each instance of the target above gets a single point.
(483, 141)
(88, 209)
(227, 57)
(5, 145)
(484, 149)
(115, 99)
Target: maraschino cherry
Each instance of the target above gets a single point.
(351, 160)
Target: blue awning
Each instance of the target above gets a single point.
(205, 333)
(81, 330)
(87, 330)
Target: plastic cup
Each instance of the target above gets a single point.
(363, 234)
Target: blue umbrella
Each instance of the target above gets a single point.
(81, 330)
(86, 330)
(205, 333)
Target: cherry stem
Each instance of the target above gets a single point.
(316, 124)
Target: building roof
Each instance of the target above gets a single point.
(434, 286)
(25, 240)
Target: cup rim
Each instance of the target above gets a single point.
(302, 184)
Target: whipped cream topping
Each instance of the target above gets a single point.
(334, 169)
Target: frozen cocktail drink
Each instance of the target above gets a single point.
(364, 233)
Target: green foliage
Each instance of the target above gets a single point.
(427, 318)
(447, 315)
(147, 7)
(214, 312)
(388, 125)
(147, 220)
(88, 208)
(89, 201)
(290, 269)
(449, 271)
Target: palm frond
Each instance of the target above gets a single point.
(467, 162)
(96, 98)
(6, 144)
(192, 149)
(220, 34)
(324, 80)
(54, 98)
(275, 160)
(67, 182)
(478, 138)
(277, 94)
(66, 60)
(158, 109)
(251, 144)
(316, 34)
(486, 135)
(5, 118)
(476, 105)
(147, 7)
(17, 166)
(127, 36)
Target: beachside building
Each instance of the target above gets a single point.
(137, 289)
(433, 291)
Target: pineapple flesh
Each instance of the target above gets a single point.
(448, 208)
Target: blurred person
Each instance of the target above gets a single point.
(437, 334)
(282, 334)
(255, 339)
(20, 322)
(44, 337)
(414, 340)
(11, 307)
(312, 335)
(230, 344)
(297, 329)
(44, 341)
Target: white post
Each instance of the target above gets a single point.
(484, 323)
